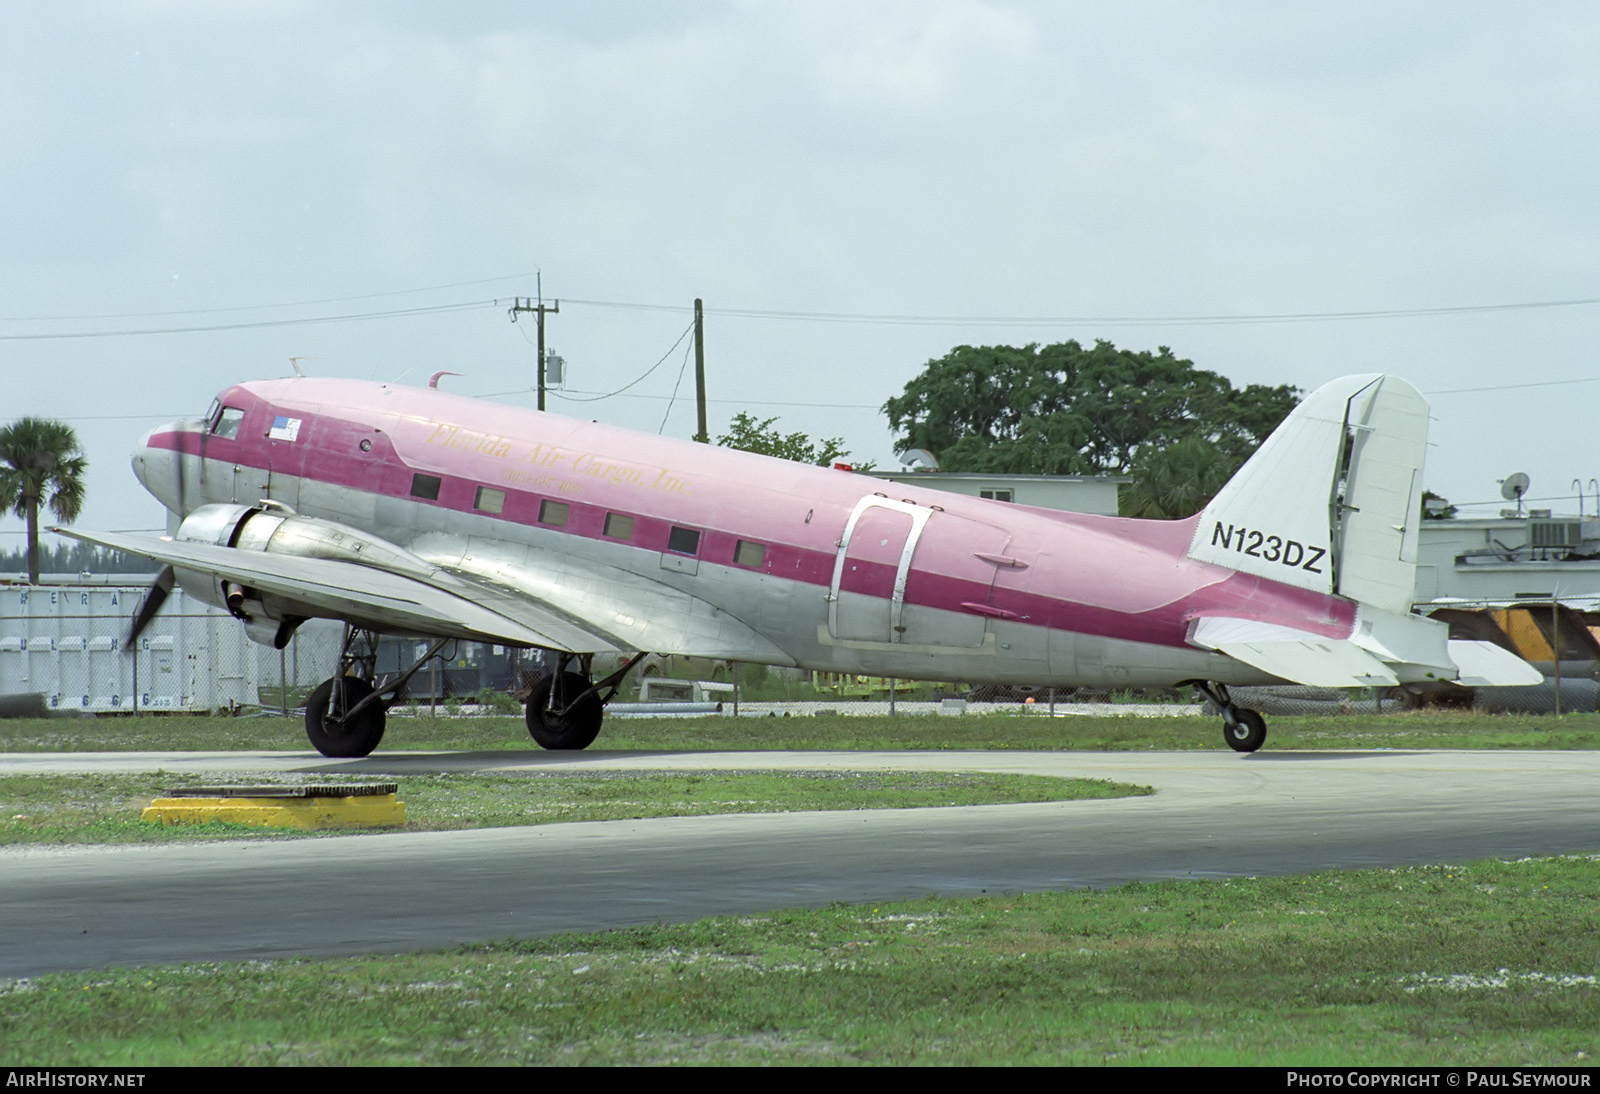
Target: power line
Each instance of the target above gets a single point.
(728, 402)
(121, 531)
(434, 309)
(681, 370)
(597, 397)
(262, 307)
(1511, 387)
(1121, 320)
(575, 395)
(758, 313)
(1502, 503)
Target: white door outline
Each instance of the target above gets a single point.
(919, 520)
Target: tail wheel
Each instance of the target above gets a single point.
(573, 728)
(1247, 733)
(334, 734)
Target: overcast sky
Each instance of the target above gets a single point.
(1010, 172)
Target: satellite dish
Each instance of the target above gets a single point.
(919, 458)
(1512, 487)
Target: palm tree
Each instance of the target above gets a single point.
(40, 464)
(1177, 481)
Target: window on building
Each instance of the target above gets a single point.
(425, 486)
(554, 512)
(685, 541)
(746, 553)
(489, 500)
(619, 526)
(995, 495)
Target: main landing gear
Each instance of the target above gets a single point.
(565, 708)
(1244, 730)
(346, 715)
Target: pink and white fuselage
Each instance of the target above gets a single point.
(590, 538)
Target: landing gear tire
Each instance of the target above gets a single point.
(1248, 733)
(574, 729)
(332, 734)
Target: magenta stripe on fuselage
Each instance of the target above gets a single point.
(727, 496)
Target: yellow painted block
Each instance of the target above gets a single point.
(367, 811)
(1524, 633)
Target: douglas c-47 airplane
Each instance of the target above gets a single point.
(415, 512)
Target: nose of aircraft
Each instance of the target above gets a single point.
(160, 463)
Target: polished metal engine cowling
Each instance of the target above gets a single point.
(275, 529)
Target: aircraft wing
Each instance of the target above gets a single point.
(537, 598)
(630, 610)
(364, 595)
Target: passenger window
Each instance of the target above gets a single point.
(746, 553)
(425, 486)
(554, 512)
(489, 500)
(685, 541)
(228, 423)
(619, 526)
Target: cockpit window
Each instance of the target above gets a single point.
(228, 423)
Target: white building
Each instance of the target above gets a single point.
(66, 644)
(1532, 558)
(1069, 493)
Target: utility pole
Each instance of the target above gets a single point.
(700, 371)
(540, 310)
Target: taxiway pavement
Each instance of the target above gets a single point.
(1214, 814)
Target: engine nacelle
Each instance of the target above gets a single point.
(276, 529)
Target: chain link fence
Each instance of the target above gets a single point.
(64, 648)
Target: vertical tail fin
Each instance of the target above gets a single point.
(1332, 499)
(1331, 502)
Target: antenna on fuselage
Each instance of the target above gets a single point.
(295, 361)
(433, 381)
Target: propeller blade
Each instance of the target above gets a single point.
(177, 481)
(153, 599)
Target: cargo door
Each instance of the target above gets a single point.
(869, 573)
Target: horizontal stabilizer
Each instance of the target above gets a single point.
(1290, 654)
(1382, 651)
(1484, 664)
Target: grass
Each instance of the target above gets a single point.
(62, 809)
(1490, 963)
(1416, 729)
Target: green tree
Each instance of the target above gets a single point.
(40, 464)
(1178, 480)
(1064, 409)
(749, 435)
(75, 557)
